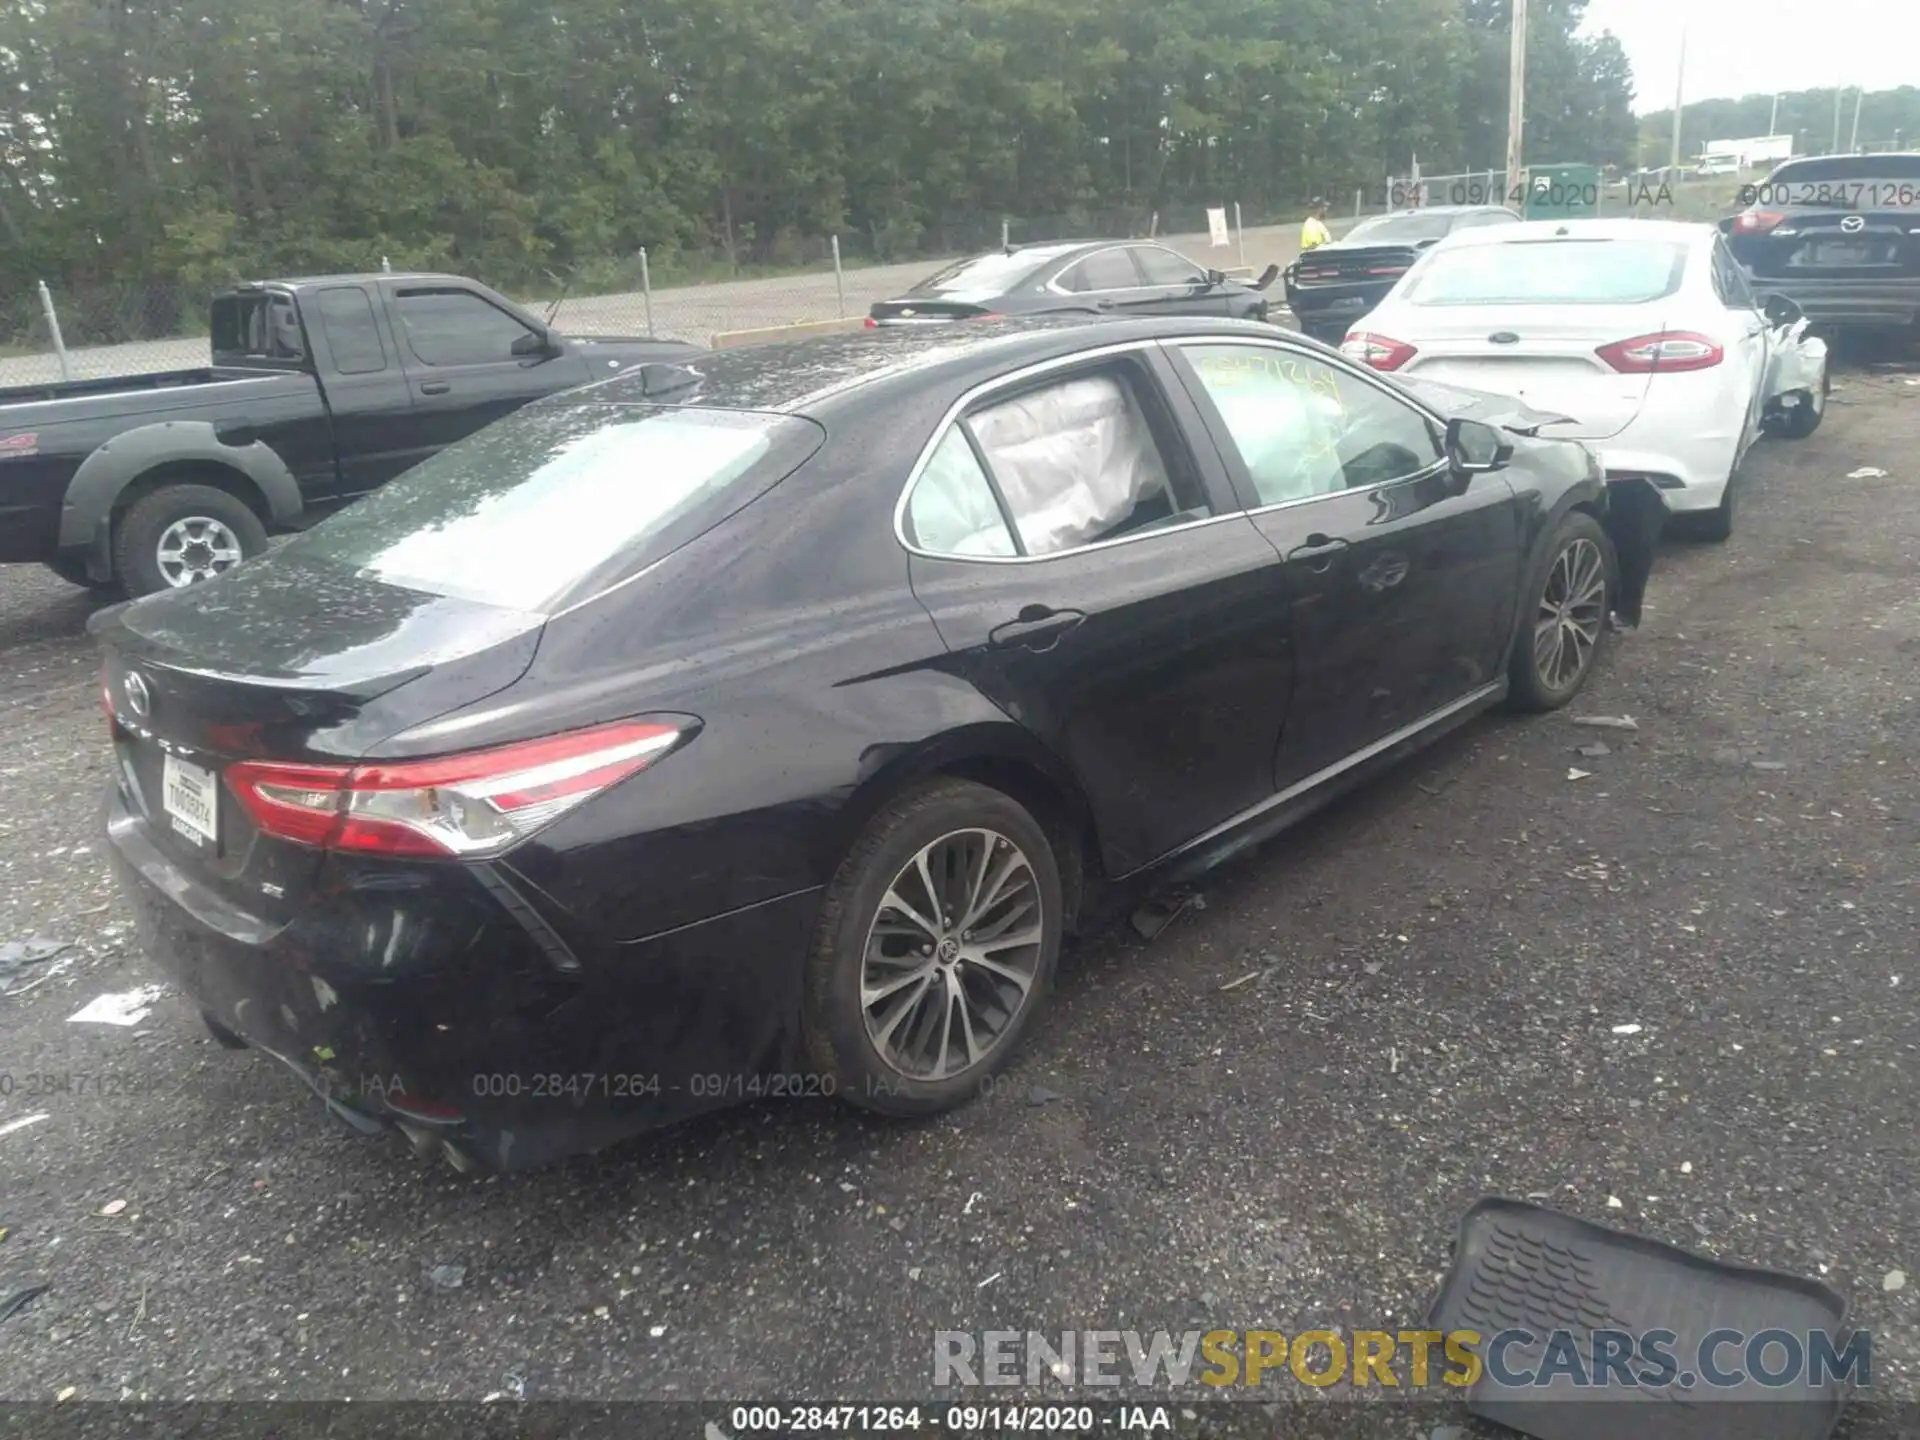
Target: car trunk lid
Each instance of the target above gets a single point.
(1545, 357)
(1339, 264)
(245, 668)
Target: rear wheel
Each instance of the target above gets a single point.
(935, 949)
(1566, 624)
(182, 534)
(1803, 419)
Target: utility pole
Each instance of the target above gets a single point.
(1679, 92)
(1834, 149)
(1773, 116)
(1853, 144)
(1516, 98)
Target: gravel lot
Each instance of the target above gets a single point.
(1443, 958)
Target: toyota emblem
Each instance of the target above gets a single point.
(139, 698)
(1854, 222)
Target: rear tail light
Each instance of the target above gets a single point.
(473, 804)
(1386, 269)
(1666, 352)
(1382, 352)
(1756, 222)
(872, 324)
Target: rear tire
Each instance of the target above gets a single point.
(1803, 419)
(207, 532)
(1569, 598)
(908, 1020)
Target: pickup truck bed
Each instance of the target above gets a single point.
(321, 390)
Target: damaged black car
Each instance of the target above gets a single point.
(761, 726)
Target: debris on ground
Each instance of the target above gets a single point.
(1161, 911)
(1615, 1203)
(1628, 1029)
(22, 1123)
(20, 1299)
(1595, 750)
(16, 955)
(1896, 1280)
(447, 1277)
(129, 1007)
(1041, 1095)
(1607, 722)
(113, 1207)
(1867, 472)
(1769, 764)
(1576, 774)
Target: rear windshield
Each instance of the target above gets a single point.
(991, 274)
(519, 514)
(1550, 272)
(1410, 229)
(1853, 182)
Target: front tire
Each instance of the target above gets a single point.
(182, 534)
(1570, 596)
(935, 949)
(1803, 419)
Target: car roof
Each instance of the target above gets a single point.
(1437, 210)
(811, 377)
(1684, 231)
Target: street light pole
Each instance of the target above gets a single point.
(1516, 96)
(1773, 115)
(1853, 144)
(1679, 91)
(1834, 149)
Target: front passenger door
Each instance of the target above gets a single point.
(1176, 286)
(458, 351)
(1401, 577)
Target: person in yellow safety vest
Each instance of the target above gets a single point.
(1315, 231)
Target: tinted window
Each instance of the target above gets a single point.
(346, 318)
(455, 327)
(1077, 462)
(990, 274)
(1163, 267)
(1400, 229)
(522, 511)
(258, 327)
(1306, 428)
(952, 510)
(1103, 270)
(1550, 272)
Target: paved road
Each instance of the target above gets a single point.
(1446, 957)
(691, 312)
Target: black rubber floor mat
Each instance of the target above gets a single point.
(1572, 1288)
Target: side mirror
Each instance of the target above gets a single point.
(1474, 448)
(1780, 311)
(540, 343)
(1216, 277)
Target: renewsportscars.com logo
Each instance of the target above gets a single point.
(1409, 1359)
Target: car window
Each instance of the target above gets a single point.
(1077, 462)
(1549, 272)
(995, 274)
(456, 327)
(952, 510)
(1400, 229)
(1103, 270)
(346, 317)
(258, 327)
(522, 512)
(1160, 266)
(1306, 428)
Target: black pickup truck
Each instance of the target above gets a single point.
(320, 390)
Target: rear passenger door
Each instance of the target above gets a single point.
(1107, 281)
(367, 394)
(1093, 576)
(458, 349)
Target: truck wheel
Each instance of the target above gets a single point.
(73, 570)
(182, 534)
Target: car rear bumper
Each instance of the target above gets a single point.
(1893, 303)
(436, 999)
(1323, 306)
(1688, 465)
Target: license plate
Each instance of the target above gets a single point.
(1841, 252)
(1348, 302)
(192, 800)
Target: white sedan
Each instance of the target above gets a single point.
(1644, 334)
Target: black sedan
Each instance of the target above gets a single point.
(1331, 286)
(760, 727)
(1098, 277)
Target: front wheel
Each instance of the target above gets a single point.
(1571, 593)
(182, 534)
(935, 949)
(1803, 419)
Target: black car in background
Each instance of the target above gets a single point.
(1331, 286)
(1839, 235)
(888, 659)
(1094, 277)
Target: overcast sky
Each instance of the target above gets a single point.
(1737, 47)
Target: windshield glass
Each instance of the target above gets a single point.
(520, 512)
(1410, 229)
(1550, 272)
(992, 274)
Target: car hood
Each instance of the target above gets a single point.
(1482, 405)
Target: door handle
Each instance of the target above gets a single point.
(435, 387)
(1037, 627)
(1318, 554)
(1103, 304)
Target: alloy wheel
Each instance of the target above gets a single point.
(952, 954)
(1573, 607)
(196, 548)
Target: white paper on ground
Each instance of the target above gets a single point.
(22, 1123)
(129, 1007)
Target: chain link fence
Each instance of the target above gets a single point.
(88, 333)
